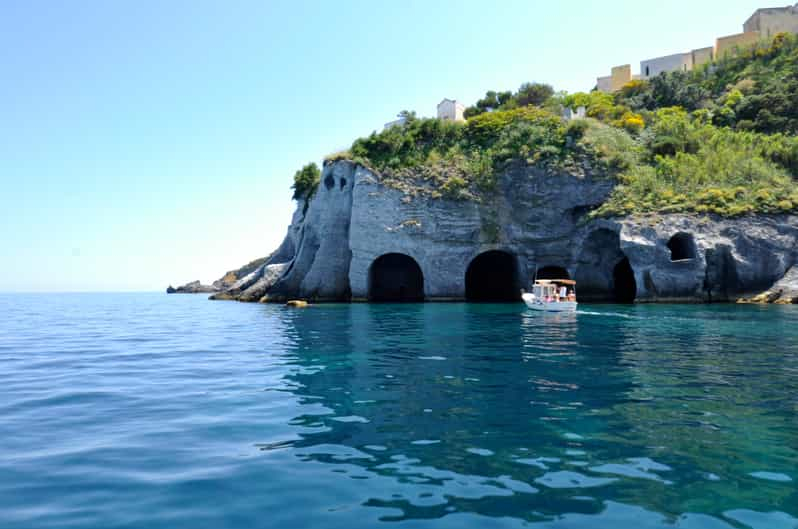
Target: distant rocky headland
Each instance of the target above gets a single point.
(221, 284)
(678, 188)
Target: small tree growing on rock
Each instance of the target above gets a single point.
(306, 180)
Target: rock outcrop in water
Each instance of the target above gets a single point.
(783, 292)
(360, 239)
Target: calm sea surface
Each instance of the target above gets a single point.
(155, 411)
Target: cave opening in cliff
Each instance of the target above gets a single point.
(600, 252)
(682, 247)
(493, 277)
(553, 272)
(396, 277)
(624, 286)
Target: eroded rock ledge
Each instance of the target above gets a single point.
(358, 239)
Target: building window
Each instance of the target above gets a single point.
(647, 74)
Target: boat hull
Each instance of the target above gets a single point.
(543, 306)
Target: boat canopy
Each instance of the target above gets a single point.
(558, 281)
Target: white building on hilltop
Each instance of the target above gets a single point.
(683, 62)
(450, 109)
(670, 63)
(395, 123)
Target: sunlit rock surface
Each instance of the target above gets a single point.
(360, 239)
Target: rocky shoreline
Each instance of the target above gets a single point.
(359, 239)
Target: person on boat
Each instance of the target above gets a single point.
(571, 295)
(563, 292)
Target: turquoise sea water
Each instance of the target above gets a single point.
(155, 411)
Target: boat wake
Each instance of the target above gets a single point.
(613, 314)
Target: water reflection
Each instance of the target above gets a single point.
(495, 411)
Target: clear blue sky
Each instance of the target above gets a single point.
(149, 142)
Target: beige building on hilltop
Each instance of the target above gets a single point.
(620, 75)
(772, 20)
(702, 56)
(763, 24)
(450, 109)
(729, 44)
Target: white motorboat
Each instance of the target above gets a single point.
(552, 295)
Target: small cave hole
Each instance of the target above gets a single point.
(329, 181)
(682, 247)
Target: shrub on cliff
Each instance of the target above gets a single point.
(486, 129)
(433, 152)
(306, 180)
(535, 94)
(407, 145)
(499, 135)
(698, 167)
(756, 89)
(611, 147)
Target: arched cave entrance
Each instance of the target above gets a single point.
(493, 276)
(395, 277)
(594, 271)
(682, 247)
(553, 272)
(624, 286)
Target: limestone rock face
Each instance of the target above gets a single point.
(358, 235)
(721, 259)
(319, 269)
(533, 218)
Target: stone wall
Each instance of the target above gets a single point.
(770, 21)
(731, 43)
(702, 56)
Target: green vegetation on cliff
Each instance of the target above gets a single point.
(528, 94)
(755, 90)
(461, 160)
(720, 140)
(306, 180)
(690, 165)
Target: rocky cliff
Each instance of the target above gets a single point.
(359, 238)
